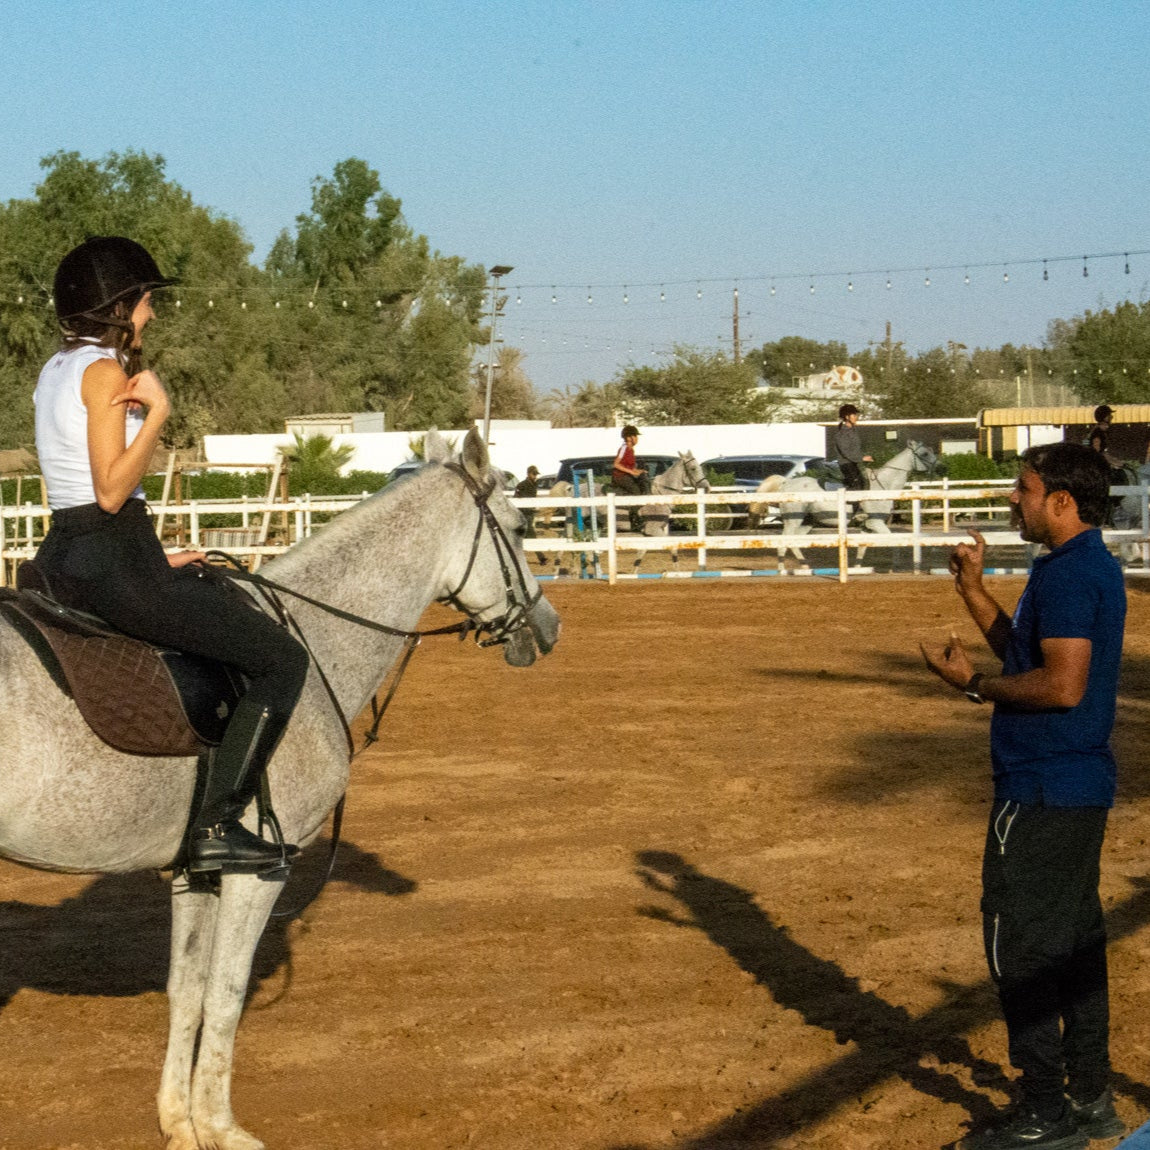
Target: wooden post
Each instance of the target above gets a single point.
(844, 550)
(167, 491)
(612, 542)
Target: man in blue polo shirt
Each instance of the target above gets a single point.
(1054, 777)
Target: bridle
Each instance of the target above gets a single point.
(919, 454)
(519, 598)
(488, 633)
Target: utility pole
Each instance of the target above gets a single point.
(735, 331)
(496, 274)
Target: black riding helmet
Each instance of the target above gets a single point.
(101, 271)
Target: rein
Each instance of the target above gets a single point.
(497, 630)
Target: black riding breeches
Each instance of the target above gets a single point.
(853, 477)
(114, 566)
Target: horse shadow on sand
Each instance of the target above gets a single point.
(113, 939)
(888, 1040)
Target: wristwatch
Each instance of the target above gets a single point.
(971, 688)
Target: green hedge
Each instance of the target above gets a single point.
(971, 465)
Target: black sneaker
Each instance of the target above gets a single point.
(1098, 1119)
(1023, 1128)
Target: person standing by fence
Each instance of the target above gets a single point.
(1054, 781)
(528, 489)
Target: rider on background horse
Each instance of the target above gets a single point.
(99, 416)
(849, 450)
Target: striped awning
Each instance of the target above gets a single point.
(1059, 416)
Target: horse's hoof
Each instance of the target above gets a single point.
(233, 1138)
(181, 1137)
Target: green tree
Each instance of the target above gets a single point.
(1105, 355)
(779, 363)
(588, 405)
(696, 387)
(512, 396)
(931, 385)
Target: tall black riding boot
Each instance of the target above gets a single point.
(218, 841)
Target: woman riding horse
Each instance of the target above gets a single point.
(98, 420)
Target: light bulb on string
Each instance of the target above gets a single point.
(277, 304)
(378, 304)
(926, 282)
(1005, 276)
(888, 281)
(345, 305)
(179, 303)
(518, 297)
(966, 278)
(1085, 269)
(626, 297)
(1045, 271)
(850, 285)
(1127, 258)
(243, 305)
(211, 303)
(812, 287)
(553, 293)
(19, 299)
(662, 294)
(589, 299)
(772, 287)
(699, 292)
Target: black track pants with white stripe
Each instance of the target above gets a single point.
(1046, 946)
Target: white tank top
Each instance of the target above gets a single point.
(62, 427)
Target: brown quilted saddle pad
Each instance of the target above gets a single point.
(139, 698)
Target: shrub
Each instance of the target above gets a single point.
(971, 465)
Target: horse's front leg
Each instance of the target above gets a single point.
(193, 924)
(245, 903)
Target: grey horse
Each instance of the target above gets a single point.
(68, 802)
(685, 474)
(802, 516)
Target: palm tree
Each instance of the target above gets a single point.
(315, 462)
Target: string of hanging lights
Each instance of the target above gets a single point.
(249, 297)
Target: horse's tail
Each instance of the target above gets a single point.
(771, 483)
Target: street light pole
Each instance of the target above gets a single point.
(496, 274)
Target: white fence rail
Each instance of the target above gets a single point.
(255, 528)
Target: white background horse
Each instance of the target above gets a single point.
(801, 516)
(685, 474)
(69, 802)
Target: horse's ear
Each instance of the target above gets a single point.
(436, 449)
(476, 461)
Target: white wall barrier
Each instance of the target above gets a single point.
(939, 516)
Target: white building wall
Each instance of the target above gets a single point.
(513, 449)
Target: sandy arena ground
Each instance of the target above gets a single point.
(705, 878)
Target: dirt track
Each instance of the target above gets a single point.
(705, 878)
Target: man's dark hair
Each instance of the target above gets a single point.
(1103, 413)
(630, 429)
(1080, 471)
(847, 409)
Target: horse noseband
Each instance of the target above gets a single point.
(520, 600)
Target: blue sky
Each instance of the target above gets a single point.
(668, 148)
